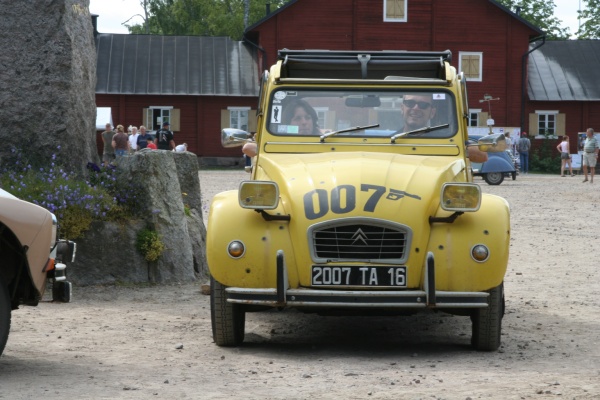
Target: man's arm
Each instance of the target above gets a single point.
(250, 149)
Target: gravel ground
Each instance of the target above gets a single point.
(155, 342)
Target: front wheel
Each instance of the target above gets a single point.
(228, 320)
(487, 322)
(4, 314)
(494, 178)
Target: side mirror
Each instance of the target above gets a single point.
(494, 143)
(231, 137)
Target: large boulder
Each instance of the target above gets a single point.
(48, 85)
(169, 197)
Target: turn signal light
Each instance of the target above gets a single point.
(480, 252)
(461, 197)
(236, 249)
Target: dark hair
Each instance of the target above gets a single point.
(291, 108)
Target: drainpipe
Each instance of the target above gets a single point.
(263, 51)
(524, 76)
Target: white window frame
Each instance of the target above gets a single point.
(475, 112)
(386, 19)
(237, 111)
(471, 53)
(546, 114)
(165, 116)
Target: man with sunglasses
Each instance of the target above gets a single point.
(418, 110)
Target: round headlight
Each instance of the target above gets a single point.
(480, 252)
(236, 249)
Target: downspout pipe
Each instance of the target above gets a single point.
(256, 46)
(524, 76)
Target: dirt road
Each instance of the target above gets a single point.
(155, 342)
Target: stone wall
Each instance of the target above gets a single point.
(48, 80)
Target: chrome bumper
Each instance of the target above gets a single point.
(282, 296)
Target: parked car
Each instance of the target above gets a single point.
(31, 256)
(359, 212)
(498, 166)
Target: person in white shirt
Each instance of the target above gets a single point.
(133, 139)
(181, 148)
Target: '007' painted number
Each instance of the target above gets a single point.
(342, 200)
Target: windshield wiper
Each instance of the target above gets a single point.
(354, 128)
(420, 130)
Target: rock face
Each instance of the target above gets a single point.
(48, 80)
(170, 188)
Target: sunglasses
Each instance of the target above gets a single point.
(423, 105)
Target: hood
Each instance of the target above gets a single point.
(318, 187)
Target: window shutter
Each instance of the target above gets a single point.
(252, 121)
(175, 120)
(533, 125)
(145, 113)
(225, 121)
(483, 117)
(470, 66)
(560, 124)
(394, 9)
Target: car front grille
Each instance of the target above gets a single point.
(372, 241)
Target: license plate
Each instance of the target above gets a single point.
(359, 276)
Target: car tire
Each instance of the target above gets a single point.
(494, 178)
(5, 311)
(228, 320)
(487, 322)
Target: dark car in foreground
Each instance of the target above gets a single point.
(496, 168)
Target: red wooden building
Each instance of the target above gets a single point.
(488, 42)
(198, 84)
(203, 84)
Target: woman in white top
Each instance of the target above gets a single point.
(565, 155)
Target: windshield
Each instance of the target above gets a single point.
(378, 113)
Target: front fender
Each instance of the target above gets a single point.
(451, 244)
(496, 164)
(256, 268)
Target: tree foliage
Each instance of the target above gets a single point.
(201, 17)
(590, 28)
(541, 14)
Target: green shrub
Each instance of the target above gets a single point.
(149, 244)
(545, 159)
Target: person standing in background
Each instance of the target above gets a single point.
(164, 138)
(509, 143)
(590, 154)
(133, 139)
(143, 137)
(120, 142)
(565, 155)
(523, 146)
(108, 153)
